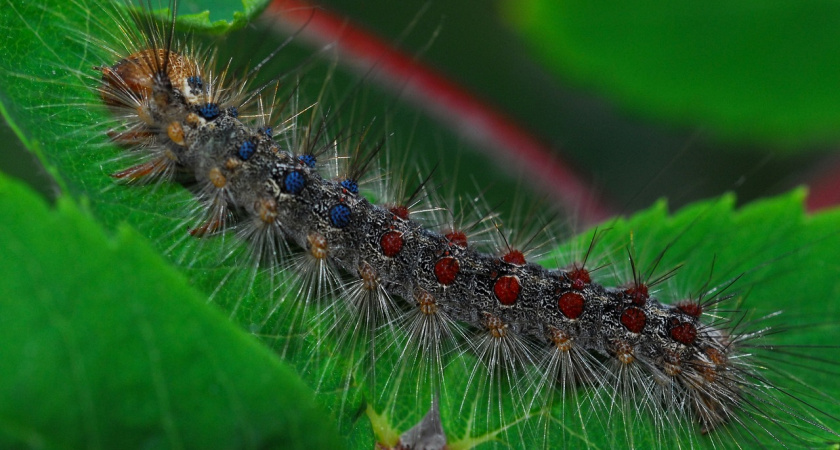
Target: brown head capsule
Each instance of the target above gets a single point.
(132, 78)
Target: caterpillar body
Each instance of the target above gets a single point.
(414, 294)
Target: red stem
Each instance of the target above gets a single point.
(824, 187)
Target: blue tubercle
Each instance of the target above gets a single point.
(294, 182)
(209, 111)
(309, 160)
(246, 150)
(340, 215)
(350, 185)
(233, 112)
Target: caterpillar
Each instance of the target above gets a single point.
(537, 352)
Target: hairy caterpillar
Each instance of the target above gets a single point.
(511, 400)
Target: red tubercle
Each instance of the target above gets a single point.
(690, 307)
(450, 103)
(633, 319)
(400, 211)
(579, 277)
(446, 270)
(685, 333)
(458, 238)
(571, 304)
(638, 294)
(507, 289)
(514, 257)
(391, 243)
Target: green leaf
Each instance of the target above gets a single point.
(198, 15)
(747, 70)
(47, 92)
(104, 346)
